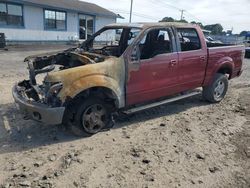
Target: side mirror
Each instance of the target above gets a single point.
(135, 55)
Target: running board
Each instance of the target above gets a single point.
(140, 108)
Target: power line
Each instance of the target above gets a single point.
(134, 13)
(167, 4)
(131, 12)
(173, 7)
(195, 17)
(177, 8)
(170, 6)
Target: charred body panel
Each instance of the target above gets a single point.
(68, 74)
(110, 74)
(67, 59)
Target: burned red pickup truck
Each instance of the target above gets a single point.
(126, 68)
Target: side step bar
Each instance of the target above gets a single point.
(140, 108)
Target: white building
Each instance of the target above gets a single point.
(51, 20)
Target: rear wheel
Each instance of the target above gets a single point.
(92, 115)
(217, 90)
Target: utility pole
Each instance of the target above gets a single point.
(131, 11)
(182, 12)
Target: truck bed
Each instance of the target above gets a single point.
(231, 54)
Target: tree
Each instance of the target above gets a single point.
(229, 32)
(244, 33)
(223, 33)
(216, 29)
(198, 23)
(170, 19)
(182, 21)
(167, 19)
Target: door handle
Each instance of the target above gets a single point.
(202, 58)
(173, 63)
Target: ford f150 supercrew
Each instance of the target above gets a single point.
(125, 68)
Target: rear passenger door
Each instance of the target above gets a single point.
(192, 58)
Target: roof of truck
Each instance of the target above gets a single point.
(149, 24)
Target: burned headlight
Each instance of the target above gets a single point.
(52, 92)
(55, 89)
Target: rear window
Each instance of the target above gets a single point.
(189, 39)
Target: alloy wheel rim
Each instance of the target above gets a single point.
(94, 118)
(219, 89)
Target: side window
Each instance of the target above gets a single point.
(108, 37)
(157, 41)
(133, 34)
(189, 39)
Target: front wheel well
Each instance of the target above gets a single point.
(102, 93)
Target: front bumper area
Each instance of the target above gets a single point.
(37, 111)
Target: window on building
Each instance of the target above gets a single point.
(11, 15)
(55, 20)
(189, 39)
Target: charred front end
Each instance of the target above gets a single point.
(33, 108)
(37, 98)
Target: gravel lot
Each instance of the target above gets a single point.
(189, 143)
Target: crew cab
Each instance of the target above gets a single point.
(125, 68)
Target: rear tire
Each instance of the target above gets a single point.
(247, 55)
(91, 116)
(217, 90)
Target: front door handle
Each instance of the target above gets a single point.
(202, 58)
(173, 63)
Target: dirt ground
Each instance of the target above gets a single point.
(189, 143)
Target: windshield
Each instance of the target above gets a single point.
(112, 41)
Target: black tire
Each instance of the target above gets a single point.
(98, 120)
(247, 54)
(216, 92)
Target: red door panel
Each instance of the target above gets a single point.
(157, 77)
(192, 58)
(192, 68)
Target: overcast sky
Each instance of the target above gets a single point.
(230, 13)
